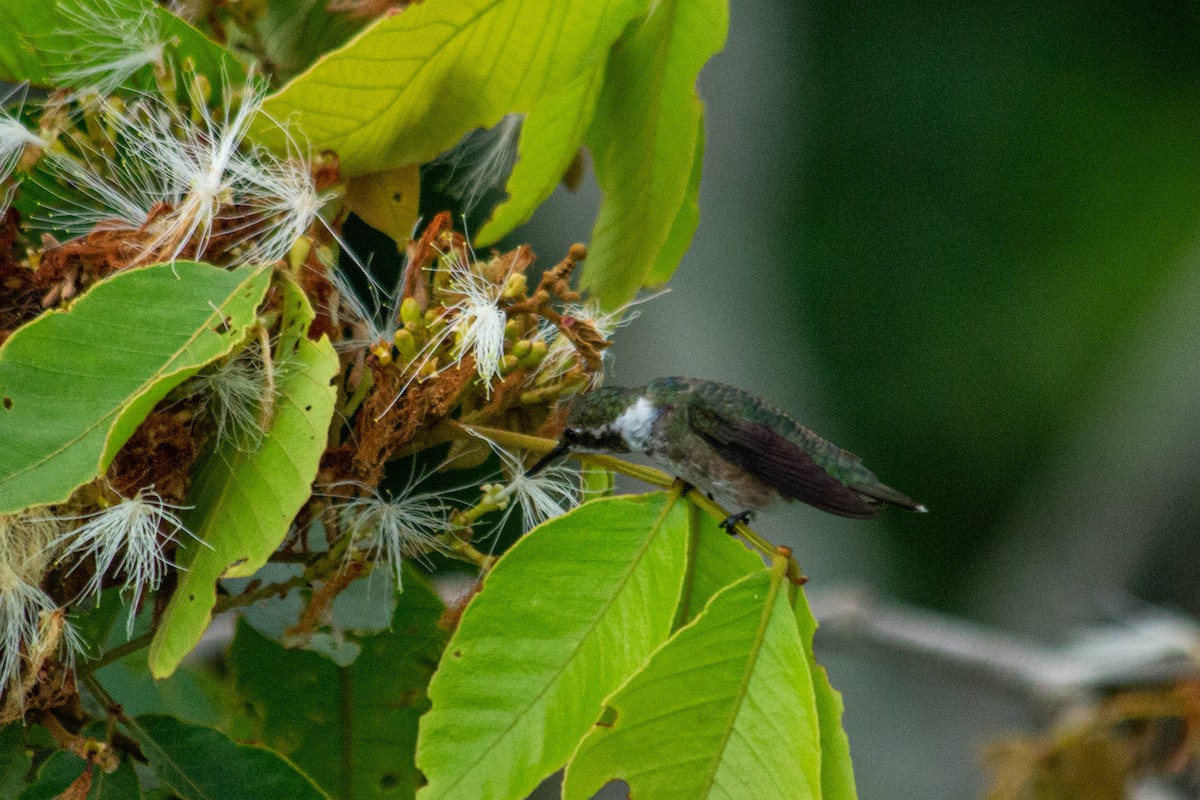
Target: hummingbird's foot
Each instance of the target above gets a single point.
(733, 519)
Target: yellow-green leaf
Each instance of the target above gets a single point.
(550, 138)
(837, 774)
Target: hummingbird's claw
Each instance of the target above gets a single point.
(733, 519)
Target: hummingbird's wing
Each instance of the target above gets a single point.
(777, 461)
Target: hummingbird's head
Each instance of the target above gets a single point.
(608, 420)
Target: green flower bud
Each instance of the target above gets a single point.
(521, 348)
(537, 353)
(406, 345)
(410, 312)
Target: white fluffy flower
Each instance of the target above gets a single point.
(390, 529)
(116, 190)
(181, 179)
(14, 139)
(283, 198)
(561, 354)
(478, 319)
(550, 493)
(201, 163)
(128, 538)
(236, 396)
(26, 549)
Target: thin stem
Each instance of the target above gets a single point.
(115, 654)
(110, 705)
(520, 441)
(642, 473)
(468, 552)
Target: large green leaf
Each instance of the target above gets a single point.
(245, 496)
(203, 764)
(411, 85)
(39, 40)
(62, 768)
(75, 384)
(644, 141)
(725, 709)
(352, 729)
(566, 615)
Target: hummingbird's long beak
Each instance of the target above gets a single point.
(560, 448)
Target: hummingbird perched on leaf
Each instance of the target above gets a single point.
(727, 443)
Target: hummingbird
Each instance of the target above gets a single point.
(727, 443)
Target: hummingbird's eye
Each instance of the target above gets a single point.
(570, 435)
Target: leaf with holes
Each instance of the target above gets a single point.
(725, 709)
(352, 729)
(565, 616)
(76, 383)
(244, 496)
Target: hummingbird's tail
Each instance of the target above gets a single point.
(879, 493)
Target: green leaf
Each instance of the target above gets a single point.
(645, 141)
(723, 710)
(40, 40)
(75, 383)
(413, 83)
(566, 615)
(352, 729)
(14, 760)
(245, 497)
(837, 773)
(62, 768)
(202, 764)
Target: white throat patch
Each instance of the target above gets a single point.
(636, 424)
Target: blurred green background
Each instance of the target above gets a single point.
(959, 240)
